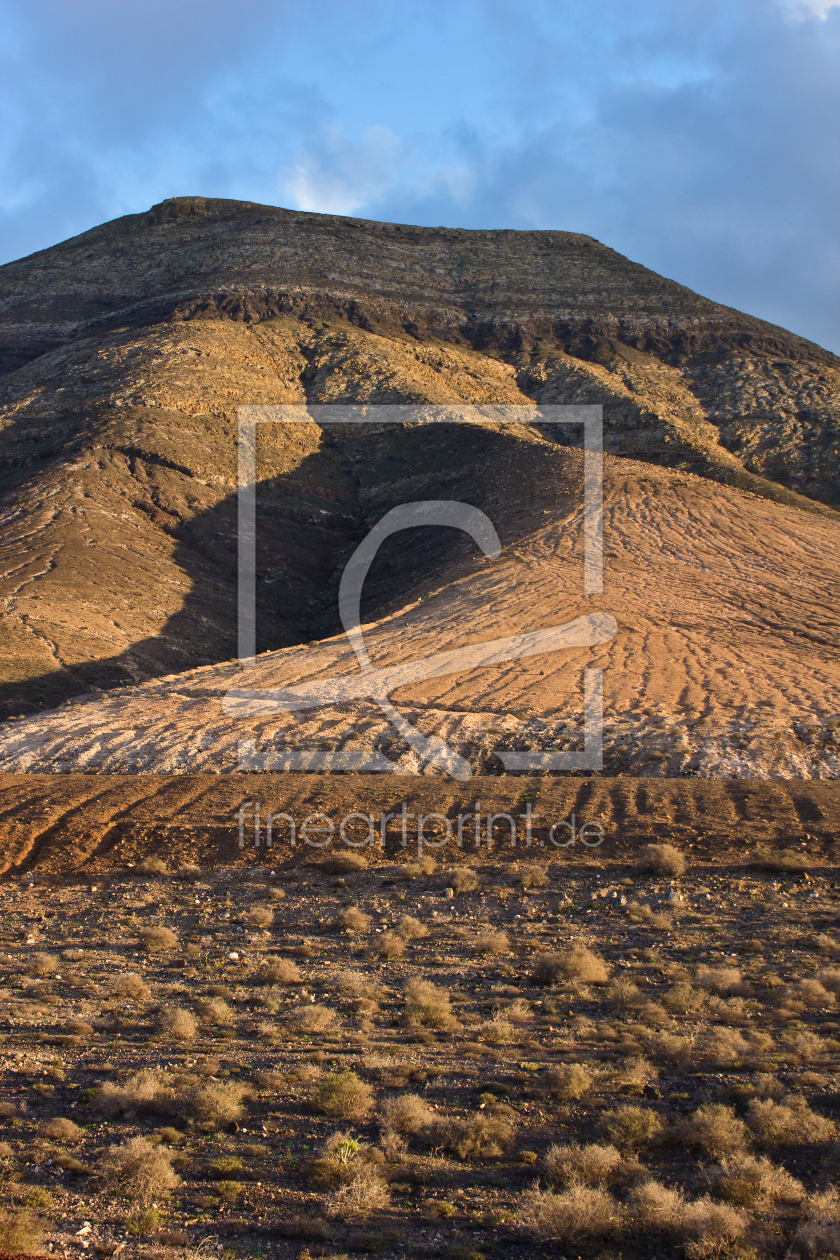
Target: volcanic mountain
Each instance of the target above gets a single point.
(125, 354)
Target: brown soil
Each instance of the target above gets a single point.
(55, 825)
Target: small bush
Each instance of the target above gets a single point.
(344, 864)
(487, 1134)
(260, 917)
(313, 1018)
(157, 940)
(151, 866)
(215, 1011)
(357, 985)
(781, 861)
(578, 1215)
(721, 1045)
(715, 1130)
(632, 1126)
(490, 943)
(42, 965)
(61, 1130)
(189, 871)
(407, 1113)
(411, 929)
(390, 946)
(216, 1104)
(788, 1123)
(344, 1096)
(464, 880)
(576, 964)
(723, 980)
(819, 1234)
(532, 877)
(363, 1195)
(138, 1170)
(352, 920)
(683, 999)
(590, 1165)
(660, 859)
(569, 1081)
(657, 1209)
(711, 1228)
(424, 865)
(128, 984)
(144, 1091)
(21, 1232)
(427, 1005)
(747, 1181)
(278, 971)
(177, 1024)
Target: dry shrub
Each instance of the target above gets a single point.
(344, 1096)
(352, 920)
(151, 866)
(363, 1195)
(487, 1134)
(42, 965)
(464, 880)
(390, 946)
(578, 1215)
(313, 1019)
(518, 1011)
(215, 1011)
(657, 1209)
(632, 1126)
(637, 1071)
(660, 859)
(489, 942)
(344, 864)
(189, 871)
(721, 1045)
(569, 1081)
(259, 917)
(216, 1104)
(814, 994)
(424, 865)
(177, 1024)
(577, 964)
(411, 929)
(144, 1091)
(625, 994)
(498, 1031)
(722, 980)
(748, 1181)
(781, 860)
(819, 1233)
(61, 1130)
(21, 1232)
(638, 912)
(590, 1165)
(355, 984)
(407, 1113)
(683, 999)
(829, 978)
(788, 1123)
(157, 940)
(715, 1130)
(532, 876)
(278, 971)
(427, 1005)
(138, 1170)
(128, 984)
(711, 1229)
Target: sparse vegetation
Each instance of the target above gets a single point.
(344, 1096)
(661, 859)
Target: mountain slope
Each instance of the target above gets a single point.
(128, 349)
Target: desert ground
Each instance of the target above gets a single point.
(624, 1050)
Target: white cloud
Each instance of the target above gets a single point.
(800, 10)
(338, 175)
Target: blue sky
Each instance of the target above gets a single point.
(699, 138)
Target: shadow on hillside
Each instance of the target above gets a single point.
(309, 522)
